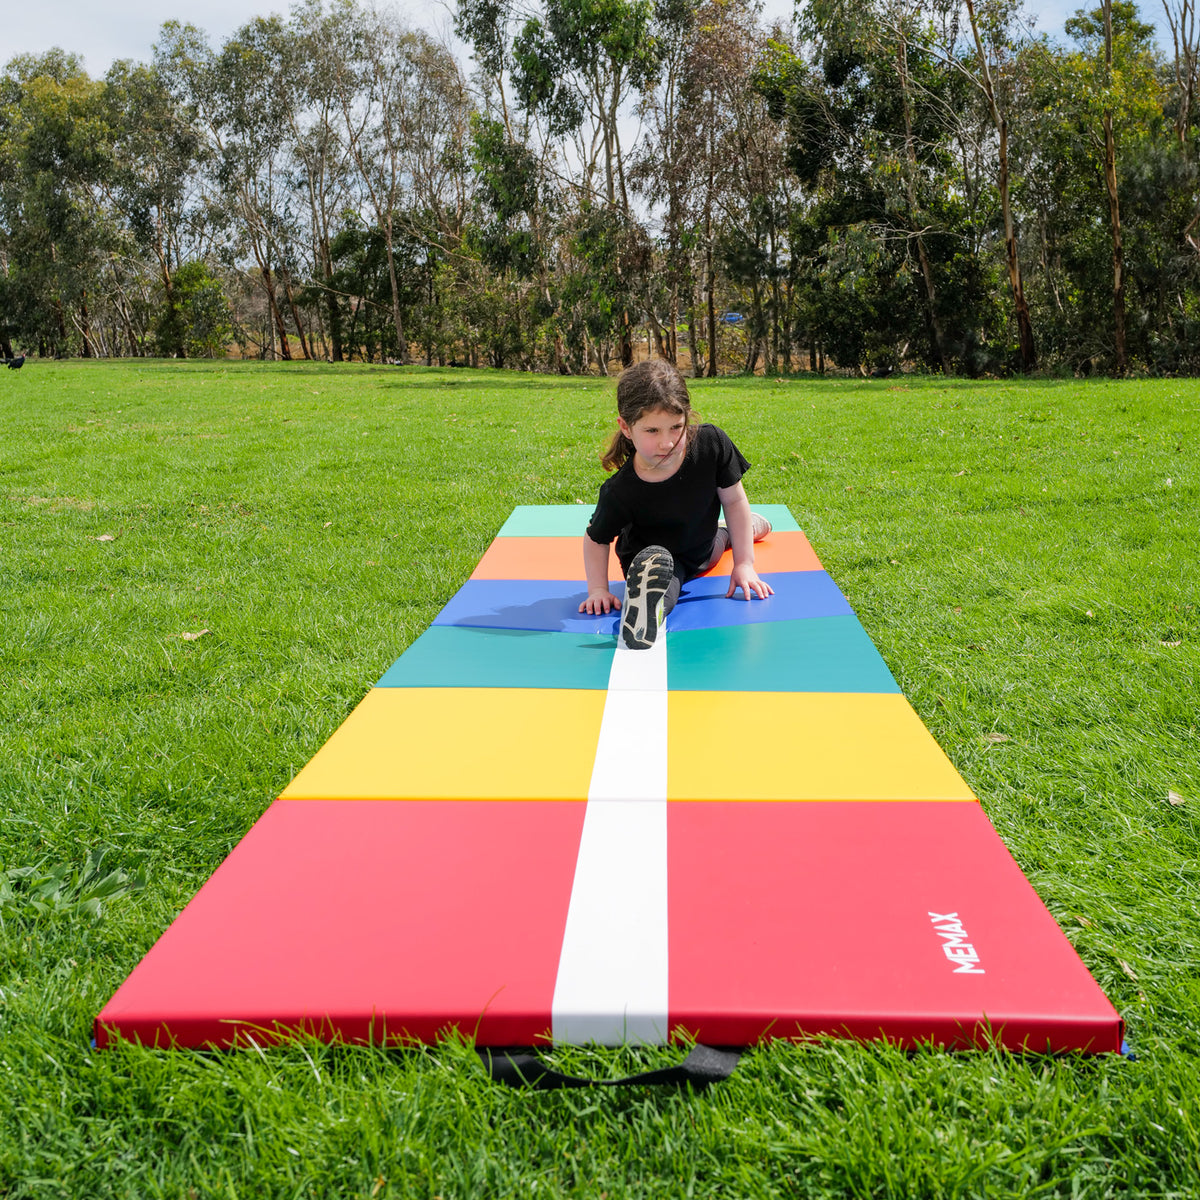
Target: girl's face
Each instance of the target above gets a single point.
(657, 437)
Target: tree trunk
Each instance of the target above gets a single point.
(291, 299)
(711, 301)
(275, 317)
(397, 320)
(1118, 254)
(785, 346)
(661, 340)
(85, 326)
(1020, 305)
(123, 311)
(694, 339)
(332, 307)
(910, 188)
(1114, 208)
(758, 331)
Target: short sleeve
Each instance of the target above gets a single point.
(731, 465)
(607, 520)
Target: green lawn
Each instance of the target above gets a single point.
(1024, 555)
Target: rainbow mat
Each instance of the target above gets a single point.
(526, 831)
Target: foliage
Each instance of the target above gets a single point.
(27, 893)
(895, 184)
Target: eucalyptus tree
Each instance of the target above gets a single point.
(520, 192)
(697, 167)
(1185, 43)
(889, 89)
(374, 90)
(1185, 62)
(320, 149)
(157, 153)
(243, 96)
(662, 171)
(507, 230)
(993, 70)
(1097, 104)
(55, 154)
(872, 114)
(574, 67)
(756, 192)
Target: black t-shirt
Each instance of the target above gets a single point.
(679, 513)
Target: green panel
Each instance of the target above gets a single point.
(458, 656)
(568, 520)
(816, 654)
(547, 520)
(778, 514)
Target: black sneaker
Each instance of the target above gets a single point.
(646, 584)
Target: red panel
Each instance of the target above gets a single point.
(791, 920)
(363, 920)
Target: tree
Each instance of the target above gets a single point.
(244, 96)
(579, 61)
(156, 154)
(202, 311)
(56, 150)
(992, 38)
(374, 92)
(1114, 78)
(319, 145)
(872, 130)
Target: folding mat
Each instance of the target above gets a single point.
(526, 831)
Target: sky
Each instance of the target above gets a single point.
(116, 29)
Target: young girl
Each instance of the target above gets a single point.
(672, 480)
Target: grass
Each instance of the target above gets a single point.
(1023, 554)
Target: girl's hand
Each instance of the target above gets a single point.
(746, 578)
(599, 600)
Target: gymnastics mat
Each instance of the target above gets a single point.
(526, 832)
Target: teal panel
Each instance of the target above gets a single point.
(456, 656)
(815, 654)
(778, 514)
(547, 520)
(569, 520)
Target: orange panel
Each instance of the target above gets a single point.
(537, 558)
(780, 551)
(562, 558)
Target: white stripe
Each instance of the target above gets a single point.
(612, 971)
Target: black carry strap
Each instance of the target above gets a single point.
(703, 1065)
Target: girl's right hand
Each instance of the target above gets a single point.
(599, 600)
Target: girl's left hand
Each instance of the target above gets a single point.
(746, 578)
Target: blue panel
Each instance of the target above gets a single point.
(553, 604)
(549, 604)
(460, 656)
(798, 594)
(821, 654)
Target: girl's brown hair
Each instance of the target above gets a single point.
(650, 386)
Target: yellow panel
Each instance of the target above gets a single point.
(804, 746)
(459, 744)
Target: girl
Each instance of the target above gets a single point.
(672, 480)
